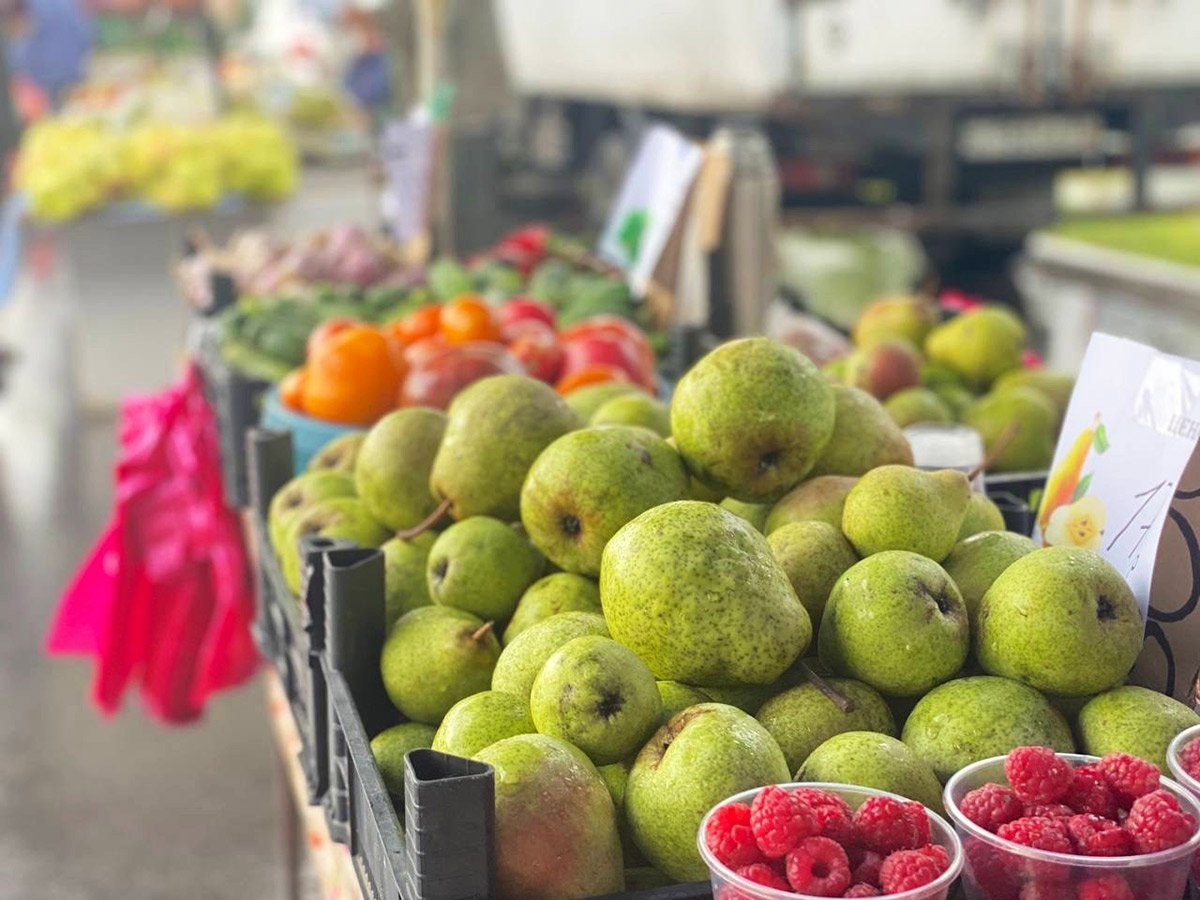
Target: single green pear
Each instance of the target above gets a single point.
(495, 429)
(389, 748)
(1062, 620)
(902, 316)
(969, 719)
(599, 696)
(1036, 418)
(977, 561)
(585, 401)
(864, 436)
(695, 592)
(635, 408)
(698, 759)
(335, 517)
(802, 718)
(291, 501)
(938, 375)
(982, 515)
(340, 454)
(556, 827)
(589, 483)
(873, 760)
(917, 405)
(392, 472)
(754, 513)
(676, 697)
(751, 418)
(902, 508)
(523, 659)
(405, 585)
(1133, 720)
(897, 622)
(819, 499)
(551, 595)
(1055, 386)
(476, 722)
(956, 397)
(482, 566)
(435, 656)
(981, 345)
(616, 779)
(813, 555)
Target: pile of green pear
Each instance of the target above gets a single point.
(633, 611)
(967, 370)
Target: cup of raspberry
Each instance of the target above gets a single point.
(796, 841)
(1040, 825)
(1183, 758)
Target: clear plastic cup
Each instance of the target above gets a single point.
(996, 869)
(726, 885)
(1174, 762)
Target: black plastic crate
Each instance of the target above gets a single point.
(1018, 516)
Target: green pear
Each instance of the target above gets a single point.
(435, 656)
(819, 499)
(336, 517)
(556, 828)
(917, 405)
(405, 585)
(751, 418)
(1054, 386)
(977, 561)
(495, 429)
(677, 697)
(900, 316)
(956, 397)
(1036, 418)
(749, 698)
(969, 719)
(885, 368)
(585, 401)
(803, 718)
(873, 760)
(589, 483)
(897, 622)
(555, 593)
(981, 345)
(599, 696)
(1133, 720)
(389, 748)
(982, 515)
(392, 472)
(616, 779)
(340, 454)
(694, 591)
(482, 566)
(938, 375)
(698, 759)
(864, 437)
(523, 659)
(754, 513)
(837, 371)
(902, 508)
(476, 722)
(291, 500)
(1060, 619)
(635, 408)
(813, 555)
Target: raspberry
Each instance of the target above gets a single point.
(1157, 823)
(1105, 887)
(817, 799)
(908, 869)
(937, 853)
(1046, 890)
(1037, 775)
(1098, 836)
(867, 869)
(862, 890)
(991, 869)
(1049, 811)
(818, 867)
(834, 822)
(780, 821)
(1129, 777)
(885, 825)
(916, 815)
(1089, 792)
(1041, 834)
(991, 806)
(761, 873)
(730, 838)
(1189, 758)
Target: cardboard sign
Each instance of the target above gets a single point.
(1126, 483)
(406, 151)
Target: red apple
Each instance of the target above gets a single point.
(523, 309)
(613, 326)
(587, 350)
(437, 379)
(536, 345)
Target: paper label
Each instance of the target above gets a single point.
(406, 150)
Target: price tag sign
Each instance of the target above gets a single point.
(406, 150)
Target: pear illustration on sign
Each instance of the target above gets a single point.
(1069, 516)
(630, 235)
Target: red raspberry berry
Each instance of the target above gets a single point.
(1047, 890)
(834, 823)
(908, 869)
(884, 825)
(1104, 887)
(991, 806)
(867, 869)
(1037, 775)
(1129, 777)
(919, 818)
(1189, 758)
(730, 838)
(817, 798)
(938, 853)
(1041, 834)
(780, 821)
(818, 867)
(1089, 792)
(1098, 836)
(761, 873)
(991, 869)
(862, 890)
(1049, 811)
(1157, 823)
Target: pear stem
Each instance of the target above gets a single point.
(421, 527)
(836, 697)
(998, 447)
(481, 632)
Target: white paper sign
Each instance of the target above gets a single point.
(406, 149)
(649, 203)
(1128, 435)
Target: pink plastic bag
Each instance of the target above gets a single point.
(165, 597)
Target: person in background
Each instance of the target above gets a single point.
(52, 45)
